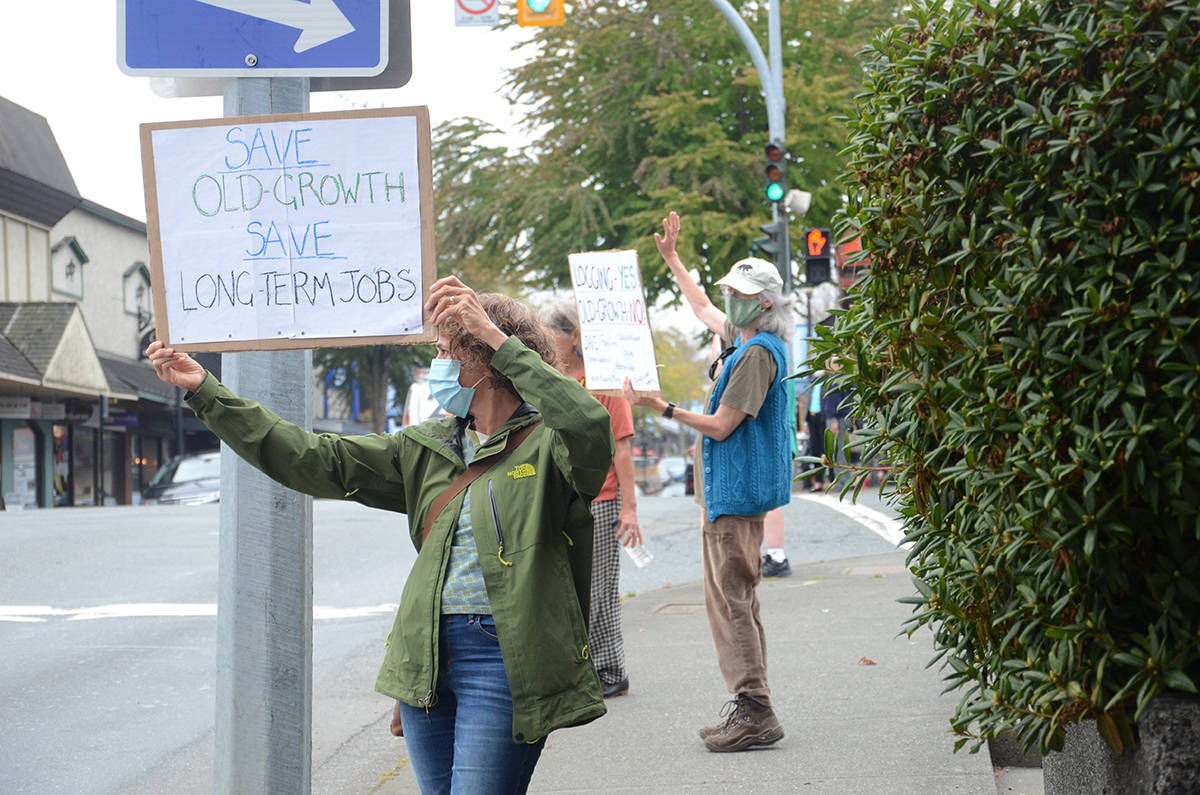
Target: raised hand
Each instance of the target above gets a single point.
(666, 241)
(449, 297)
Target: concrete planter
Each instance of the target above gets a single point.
(1167, 761)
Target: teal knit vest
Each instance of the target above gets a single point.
(750, 471)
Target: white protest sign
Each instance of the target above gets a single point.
(290, 231)
(614, 328)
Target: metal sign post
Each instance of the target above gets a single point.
(264, 604)
(266, 50)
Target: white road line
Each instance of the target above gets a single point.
(143, 610)
(886, 527)
(41, 613)
(326, 613)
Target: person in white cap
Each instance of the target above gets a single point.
(746, 471)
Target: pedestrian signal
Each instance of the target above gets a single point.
(817, 243)
(817, 265)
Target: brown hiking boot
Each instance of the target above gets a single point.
(751, 725)
(727, 712)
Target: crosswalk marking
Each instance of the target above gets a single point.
(882, 525)
(43, 613)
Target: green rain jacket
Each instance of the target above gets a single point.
(533, 528)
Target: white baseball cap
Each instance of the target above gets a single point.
(751, 276)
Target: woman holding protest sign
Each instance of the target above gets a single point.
(488, 653)
(614, 511)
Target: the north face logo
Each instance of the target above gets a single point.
(522, 471)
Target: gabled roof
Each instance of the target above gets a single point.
(35, 182)
(13, 363)
(76, 249)
(137, 377)
(138, 266)
(36, 328)
(53, 340)
(100, 211)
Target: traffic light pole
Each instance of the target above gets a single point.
(771, 77)
(772, 80)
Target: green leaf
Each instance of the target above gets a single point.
(1178, 680)
(1108, 730)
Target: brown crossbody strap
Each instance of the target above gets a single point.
(470, 474)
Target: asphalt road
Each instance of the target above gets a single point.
(108, 630)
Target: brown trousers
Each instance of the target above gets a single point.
(732, 572)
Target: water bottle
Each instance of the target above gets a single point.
(640, 555)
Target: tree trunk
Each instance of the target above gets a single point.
(380, 360)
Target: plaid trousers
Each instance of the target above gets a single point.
(605, 644)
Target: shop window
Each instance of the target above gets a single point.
(62, 465)
(25, 482)
(83, 457)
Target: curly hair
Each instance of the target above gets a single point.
(512, 317)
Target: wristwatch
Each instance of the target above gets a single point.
(669, 410)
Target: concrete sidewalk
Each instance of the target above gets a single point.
(861, 712)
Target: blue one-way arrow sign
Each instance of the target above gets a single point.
(252, 38)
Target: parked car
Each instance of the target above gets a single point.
(190, 479)
(672, 469)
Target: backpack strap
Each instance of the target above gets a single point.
(471, 473)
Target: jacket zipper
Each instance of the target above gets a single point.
(496, 523)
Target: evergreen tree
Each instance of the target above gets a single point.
(643, 106)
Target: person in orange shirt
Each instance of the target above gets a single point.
(614, 512)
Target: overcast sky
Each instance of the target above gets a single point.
(58, 58)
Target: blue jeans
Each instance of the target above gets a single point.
(464, 744)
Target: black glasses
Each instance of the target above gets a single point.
(712, 368)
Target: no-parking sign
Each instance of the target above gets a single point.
(476, 13)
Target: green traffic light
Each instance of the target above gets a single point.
(774, 192)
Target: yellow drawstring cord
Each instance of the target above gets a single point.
(500, 555)
(569, 541)
(350, 493)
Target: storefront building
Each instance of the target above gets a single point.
(83, 419)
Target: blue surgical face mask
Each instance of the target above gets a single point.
(447, 391)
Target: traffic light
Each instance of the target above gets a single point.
(768, 247)
(816, 256)
(775, 170)
(540, 13)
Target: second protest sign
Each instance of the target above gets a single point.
(614, 326)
